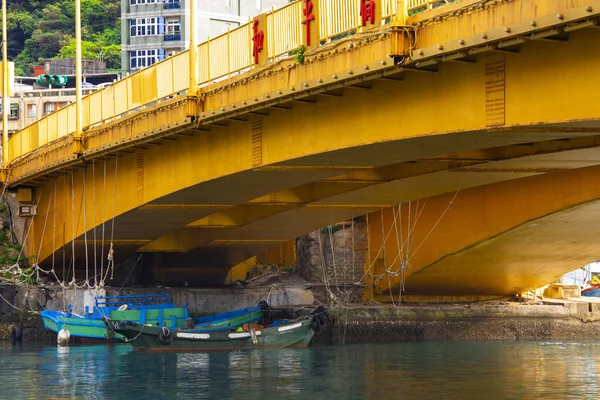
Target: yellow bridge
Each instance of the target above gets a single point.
(481, 117)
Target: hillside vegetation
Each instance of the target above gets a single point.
(42, 29)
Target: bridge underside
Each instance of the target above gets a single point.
(211, 195)
(490, 199)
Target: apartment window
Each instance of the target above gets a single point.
(171, 4)
(145, 58)
(31, 111)
(50, 107)
(147, 27)
(14, 111)
(136, 2)
(173, 27)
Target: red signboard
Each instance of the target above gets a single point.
(258, 37)
(308, 17)
(367, 11)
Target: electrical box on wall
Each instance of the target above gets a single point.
(25, 195)
(27, 210)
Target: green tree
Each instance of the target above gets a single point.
(111, 55)
(40, 29)
(88, 50)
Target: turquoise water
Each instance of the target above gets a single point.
(423, 370)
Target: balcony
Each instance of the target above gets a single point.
(171, 5)
(172, 37)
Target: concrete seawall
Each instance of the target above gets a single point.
(478, 321)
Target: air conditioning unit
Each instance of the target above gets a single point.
(27, 210)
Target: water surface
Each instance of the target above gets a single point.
(423, 370)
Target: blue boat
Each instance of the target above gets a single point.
(150, 310)
(591, 291)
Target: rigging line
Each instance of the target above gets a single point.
(103, 220)
(37, 259)
(353, 251)
(414, 227)
(112, 233)
(64, 240)
(371, 263)
(54, 228)
(324, 269)
(9, 303)
(73, 223)
(94, 222)
(132, 269)
(404, 260)
(121, 264)
(383, 240)
(436, 224)
(390, 288)
(408, 226)
(401, 230)
(87, 274)
(27, 233)
(337, 284)
(345, 267)
(79, 218)
(400, 250)
(410, 233)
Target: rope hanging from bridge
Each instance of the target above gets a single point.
(111, 252)
(103, 219)
(84, 194)
(73, 281)
(94, 222)
(404, 245)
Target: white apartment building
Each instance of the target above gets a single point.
(153, 29)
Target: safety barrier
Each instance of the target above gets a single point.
(147, 86)
(218, 58)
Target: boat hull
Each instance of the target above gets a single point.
(78, 327)
(592, 291)
(147, 338)
(92, 326)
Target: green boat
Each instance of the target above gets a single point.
(288, 333)
(155, 309)
(149, 310)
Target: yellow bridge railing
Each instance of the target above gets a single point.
(218, 58)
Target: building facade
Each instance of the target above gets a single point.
(154, 29)
(28, 104)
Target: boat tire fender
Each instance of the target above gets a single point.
(17, 334)
(264, 305)
(322, 318)
(316, 324)
(165, 337)
(123, 307)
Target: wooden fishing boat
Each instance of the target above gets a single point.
(278, 334)
(149, 310)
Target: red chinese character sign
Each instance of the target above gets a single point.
(310, 23)
(370, 12)
(258, 39)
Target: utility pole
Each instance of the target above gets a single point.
(5, 98)
(78, 136)
(193, 51)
